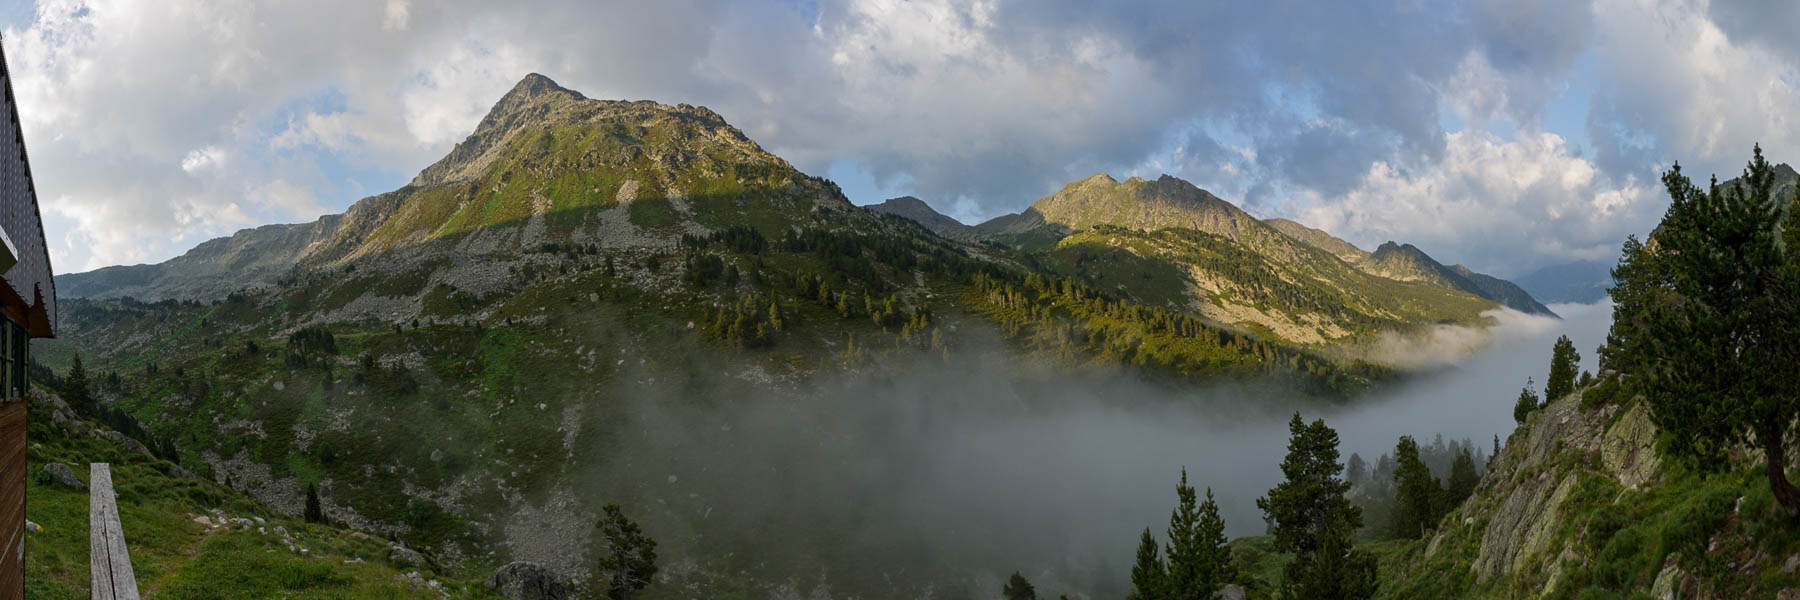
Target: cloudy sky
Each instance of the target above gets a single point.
(1504, 134)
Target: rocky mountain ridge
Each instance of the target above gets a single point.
(1580, 504)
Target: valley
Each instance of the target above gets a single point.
(591, 302)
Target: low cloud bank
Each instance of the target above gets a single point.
(944, 475)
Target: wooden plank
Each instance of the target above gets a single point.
(12, 498)
(109, 562)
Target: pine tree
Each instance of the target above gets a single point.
(1186, 569)
(1706, 323)
(628, 560)
(1214, 557)
(1462, 479)
(1309, 517)
(1527, 402)
(1018, 588)
(1416, 492)
(313, 512)
(1357, 469)
(1199, 561)
(1564, 361)
(75, 387)
(1149, 577)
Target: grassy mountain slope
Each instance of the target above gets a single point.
(194, 539)
(1311, 297)
(1345, 251)
(1405, 262)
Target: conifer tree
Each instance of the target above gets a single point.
(1564, 361)
(1149, 576)
(1706, 323)
(1463, 479)
(1309, 517)
(1416, 492)
(75, 387)
(1018, 588)
(313, 513)
(628, 560)
(1184, 543)
(1527, 402)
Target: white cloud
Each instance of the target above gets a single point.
(1497, 206)
(202, 158)
(162, 124)
(394, 19)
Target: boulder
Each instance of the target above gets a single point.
(1231, 591)
(526, 581)
(402, 555)
(62, 474)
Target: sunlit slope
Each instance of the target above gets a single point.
(1580, 505)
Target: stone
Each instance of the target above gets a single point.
(1792, 564)
(1668, 583)
(526, 581)
(62, 474)
(406, 556)
(1230, 591)
(1788, 594)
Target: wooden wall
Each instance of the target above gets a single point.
(12, 498)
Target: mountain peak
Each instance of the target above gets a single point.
(920, 212)
(535, 85)
(1140, 204)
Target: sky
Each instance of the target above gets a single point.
(1507, 135)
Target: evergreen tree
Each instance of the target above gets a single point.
(1184, 543)
(75, 387)
(1357, 469)
(1564, 361)
(628, 560)
(1527, 402)
(313, 512)
(1706, 323)
(1309, 517)
(1018, 588)
(1463, 479)
(1149, 577)
(1199, 561)
(1416, 492)
(1214, 557)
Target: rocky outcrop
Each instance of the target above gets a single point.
(1522, 499)
(526, 581)
(62, 474)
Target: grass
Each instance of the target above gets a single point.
(175, 557)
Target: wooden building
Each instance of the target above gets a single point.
(28, 304)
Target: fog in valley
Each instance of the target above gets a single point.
(960, 471)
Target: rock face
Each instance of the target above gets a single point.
(1530, 497)
(526, 581)
(62, 474)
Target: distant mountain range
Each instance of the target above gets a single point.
(1171, 203)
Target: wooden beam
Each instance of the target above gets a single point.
(12, 497)
(109, 563)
